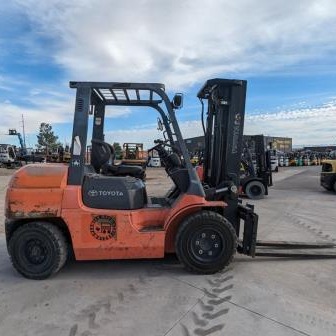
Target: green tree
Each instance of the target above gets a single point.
(46, 139)
(117, 150)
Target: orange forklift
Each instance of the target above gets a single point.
(101, 210)
(134, 155)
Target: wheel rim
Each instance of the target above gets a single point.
(206, 245)
(255, 190)
(35, 254)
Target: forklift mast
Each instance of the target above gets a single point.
(223, 137)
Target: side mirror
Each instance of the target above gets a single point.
(177, 101)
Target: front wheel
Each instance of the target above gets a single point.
(38, 250)
(205, 242)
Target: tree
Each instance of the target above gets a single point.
(46, 139)
(117, 150)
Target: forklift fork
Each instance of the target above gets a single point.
(284, 249)
(249, 245)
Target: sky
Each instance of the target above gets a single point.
(284, 49)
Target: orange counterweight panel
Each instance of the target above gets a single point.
(112, 234)
(109, 234)
(40, 176)
(33, 203)
(36, 191)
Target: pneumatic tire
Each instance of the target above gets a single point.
(38, 250)
(255, 190)
(205, 242)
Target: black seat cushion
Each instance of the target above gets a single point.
(100, 154)
(123, 170)
(102, 159)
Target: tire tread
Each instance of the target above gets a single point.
(57, 237)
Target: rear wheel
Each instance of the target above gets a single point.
(38, 250)
(205, 242)
(335, 186)
(255, 190)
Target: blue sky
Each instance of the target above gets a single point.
(286, 51)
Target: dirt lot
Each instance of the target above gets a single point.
(254, 296)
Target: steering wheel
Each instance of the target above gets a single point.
(171, 161)
(160, 144)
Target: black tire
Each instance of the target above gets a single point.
(211, 233)
(328, 188)
(334, 186)
(143, 176)
(255, 190)
(38, 250)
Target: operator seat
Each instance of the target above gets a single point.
(102, 160)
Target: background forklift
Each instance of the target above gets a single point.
(256, 169)
(134, 155)
(92, 211)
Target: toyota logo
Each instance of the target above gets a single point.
(93, 193)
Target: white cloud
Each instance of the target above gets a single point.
(145, 136)
(148, 133)
(45, 106)
(43, 110)
(307, 126)
(180, 42)
(117, 111)
(313, 125)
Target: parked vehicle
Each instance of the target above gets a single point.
(8, 156)
(154, 162)
(274, 161)
(328, 175)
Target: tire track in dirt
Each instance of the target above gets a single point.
(318, 232)
(91, 320)
(212, 306)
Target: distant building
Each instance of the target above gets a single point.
(282, 144)
(195, 145)
(320, 148)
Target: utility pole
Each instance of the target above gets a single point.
(23, 132)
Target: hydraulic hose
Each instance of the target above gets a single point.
(202, 115)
